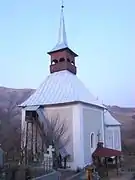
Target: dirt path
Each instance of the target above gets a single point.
(66, 174)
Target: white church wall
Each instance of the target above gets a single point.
(78, 137)
(92, 123)
(65, 114)
(109, 137)
(72, 114)
(113, 137)
(117, 138)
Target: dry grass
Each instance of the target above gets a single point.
(128, 164)
(127, 128)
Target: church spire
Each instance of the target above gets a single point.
(62, 38)
(62, 57)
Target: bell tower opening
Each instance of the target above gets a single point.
(55, 61)
(61, 60)
(62, 57)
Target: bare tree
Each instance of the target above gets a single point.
(9, 136)
(10, 120)
(56, 133)
(11, 104)
(13, 99)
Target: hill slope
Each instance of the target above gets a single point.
(10, 117)
(126, 116)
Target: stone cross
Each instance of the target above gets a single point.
(50, 150)
(99, 136)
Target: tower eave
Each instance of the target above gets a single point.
(66, 48)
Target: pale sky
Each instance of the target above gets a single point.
(102, 32)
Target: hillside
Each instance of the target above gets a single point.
(10, 98)
(126, 116)
(10, 118)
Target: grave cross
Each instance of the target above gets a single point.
(50, 150)
(99, 136)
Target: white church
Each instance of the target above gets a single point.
(63, 93)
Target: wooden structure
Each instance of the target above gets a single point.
(89, 171)
(33, 128)
(101, 156)
(62, 57)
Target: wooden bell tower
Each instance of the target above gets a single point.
(62, 57)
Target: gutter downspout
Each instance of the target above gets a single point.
(105, 110)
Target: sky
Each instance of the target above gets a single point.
(101, 32)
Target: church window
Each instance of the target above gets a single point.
(92, 140)
(55, 61)
(61, 60)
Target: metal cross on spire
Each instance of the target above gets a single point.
(62, 4)
(62, 39)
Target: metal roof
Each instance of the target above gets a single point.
(109, 120)
(61, 87)
(31, 108)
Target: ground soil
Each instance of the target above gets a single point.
(65, 174)
(127, 170)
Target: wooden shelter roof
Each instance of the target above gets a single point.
(105, 152)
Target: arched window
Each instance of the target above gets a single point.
(92, 140)
(54, 61)
(61, 60)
